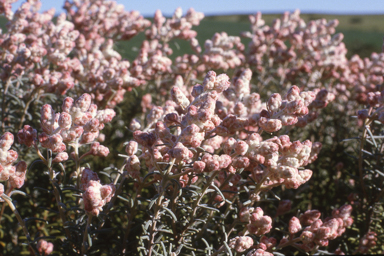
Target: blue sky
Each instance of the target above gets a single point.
(213, 7)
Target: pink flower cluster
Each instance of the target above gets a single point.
(14, 173)
(178, 26)
(106, 18)
(212, 127)
(375, 110)
(34, 40)
(279, 157)
(6, 8)
(220, 53)
(44, 247)
(151, 61)
(241, 243)
(203, 123)
(95, 195)
(367, 242)
(318, 232)
(79, 122)
(366, 76)
(302, 52)
(259, 224)
(297, 108)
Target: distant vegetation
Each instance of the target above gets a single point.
(363, 34)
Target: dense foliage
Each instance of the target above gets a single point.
(274, 147)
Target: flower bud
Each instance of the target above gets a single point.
(293, 93)
(155, 114)
(106, 115)
(144, 138)
(274, 102)
(17, 178)
(294, 225)
(65, 120)
(87, 175)
(198, 166)
(307, 237)
(178, 96)
(270, 125)
(83, 102)
(99, 150)
(135, 125)
(241, 147)
(27, 136)
(180, 152)
(133, 167)
(309, 217)
(197, 90)
(63, 156)
(131, 148)
(241, 243)
(245, 214)
(284, 207)
(44, 247)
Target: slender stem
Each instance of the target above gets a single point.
(21, 222)
(362, 141)
(218, 251)
(158, 206)
(259, 187)
(298, 239)
(85, 248)
(40, 155)
(110, 98)
(180, 174)
(58, 201)
(9, 190)
(195, 204)
(31, 98)
(84, 155)
(154, 221)
(118, 191)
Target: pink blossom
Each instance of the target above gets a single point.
(309, 217)
(18, 177)
(27, 135)
(87, 175)
(99, 150)
(259, 224)
(96, 196)
(44, 247)
(240, 243)
(294, 225)
(131, 147)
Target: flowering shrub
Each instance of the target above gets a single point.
(224, 152)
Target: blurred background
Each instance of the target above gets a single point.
(361, 22)
(225, 7)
